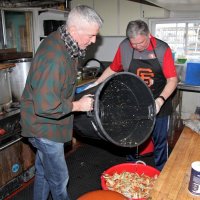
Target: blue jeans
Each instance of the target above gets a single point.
(51, 170)
(160, 134)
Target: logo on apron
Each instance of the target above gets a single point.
(146, 74)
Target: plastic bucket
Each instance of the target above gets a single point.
(102, 194)
(129, 167)
(124, 111)
(192, 76)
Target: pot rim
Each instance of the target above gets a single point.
(19, 60)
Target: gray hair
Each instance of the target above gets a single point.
(82, 13)
(137, 27)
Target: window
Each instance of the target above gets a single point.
(16, 30)
(182, 36)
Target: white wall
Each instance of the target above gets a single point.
(184, 14)
(190, 101)
(104, 49)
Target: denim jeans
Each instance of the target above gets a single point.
(51, 170)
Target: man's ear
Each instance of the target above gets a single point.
(71, 30)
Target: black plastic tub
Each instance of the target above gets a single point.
(124, 111)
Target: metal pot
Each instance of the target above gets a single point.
(5, 88)
(18, 76)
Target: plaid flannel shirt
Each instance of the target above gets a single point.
(46, 102)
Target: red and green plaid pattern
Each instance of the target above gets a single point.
(46, 102)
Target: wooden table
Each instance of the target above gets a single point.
(173, 181)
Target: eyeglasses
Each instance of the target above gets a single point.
(139, 43)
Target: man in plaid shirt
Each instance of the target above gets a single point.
(47, 103)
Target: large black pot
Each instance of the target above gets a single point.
(124, 111)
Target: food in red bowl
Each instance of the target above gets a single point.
(133, 180)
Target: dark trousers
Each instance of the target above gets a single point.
(159, 136)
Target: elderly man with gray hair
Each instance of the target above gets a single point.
(47, 103)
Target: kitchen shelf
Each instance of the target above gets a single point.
(15, 55)
(53, 11)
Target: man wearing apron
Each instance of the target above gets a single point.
(152, 60)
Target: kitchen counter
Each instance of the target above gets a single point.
(187, 87)
(172, 183)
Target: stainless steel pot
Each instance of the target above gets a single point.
(5, 88)
(18, 76)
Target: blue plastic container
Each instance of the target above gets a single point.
(192, 76)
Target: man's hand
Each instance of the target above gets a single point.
(86, 103)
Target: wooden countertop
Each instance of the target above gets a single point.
(172, 183)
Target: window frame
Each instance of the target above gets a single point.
(153, 22)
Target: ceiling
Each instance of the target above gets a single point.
(173, 5)
(30, 3)
(178, 5)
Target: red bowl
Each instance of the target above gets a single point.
(129, 167)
